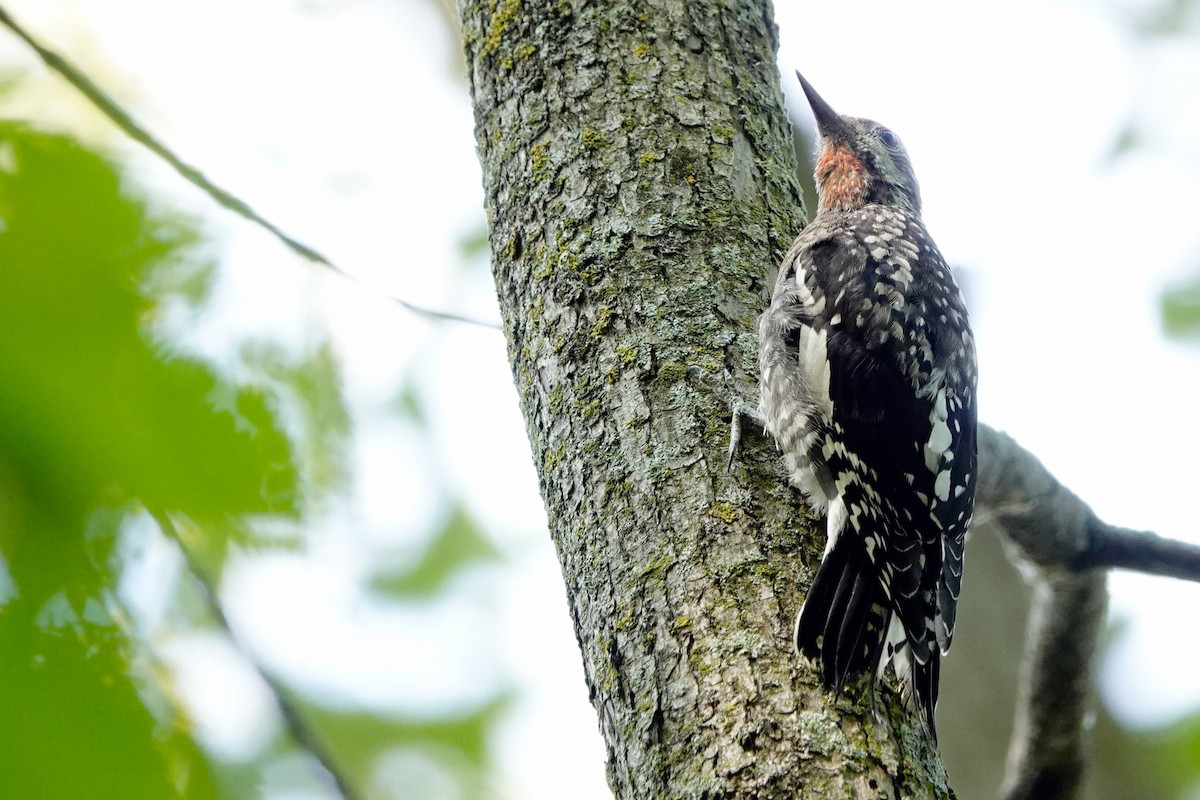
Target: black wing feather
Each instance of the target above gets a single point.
(880, 420)
(883, 304)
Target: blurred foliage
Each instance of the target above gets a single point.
(474, 247)
(91, 410)
(92, 417)
(408, 405)
(1174, 751)
(309, 389)
(1170, 753)
(1181, 311)
(459, 544)
(456, 742)
(1165, 18)
(100, 421)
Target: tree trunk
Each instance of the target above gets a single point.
(641, 191)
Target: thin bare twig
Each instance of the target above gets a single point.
(299, 727)
(123, 120)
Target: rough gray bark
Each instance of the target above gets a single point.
(640, 190)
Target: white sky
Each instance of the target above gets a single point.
(343, 123)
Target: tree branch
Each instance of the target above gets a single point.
(1052, 527)
(1065, 548)
(123, 120)
(1046, 757)
(1141, 551)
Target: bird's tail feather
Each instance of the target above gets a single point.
(843, 627)
(844, 618)
(925, 687)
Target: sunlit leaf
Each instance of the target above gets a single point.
(357, 739)
(458, 544)
(408, 404)
(311, 384)
(96, 419)
(75, 722)
(88, 405)
(1181, 311)
(190, 281)
(74, 726)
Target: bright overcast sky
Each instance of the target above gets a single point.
(344, 123)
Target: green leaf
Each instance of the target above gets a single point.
(97, 420)
(358, 739)
(311, 386)
(75, 725)
(408, 404)
(75, 719)
(459, 544)
(89, 408)
(1181, 311)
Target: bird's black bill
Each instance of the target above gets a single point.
(828, 121)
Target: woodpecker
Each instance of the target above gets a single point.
(867, 384)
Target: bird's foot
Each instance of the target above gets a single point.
(739, 410)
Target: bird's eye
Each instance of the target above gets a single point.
(888, 138)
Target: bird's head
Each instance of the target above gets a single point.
(859, 162)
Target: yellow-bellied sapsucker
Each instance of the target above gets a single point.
(868, 386)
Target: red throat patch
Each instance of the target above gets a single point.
(841, 178)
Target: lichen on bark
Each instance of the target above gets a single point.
(640, 189)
